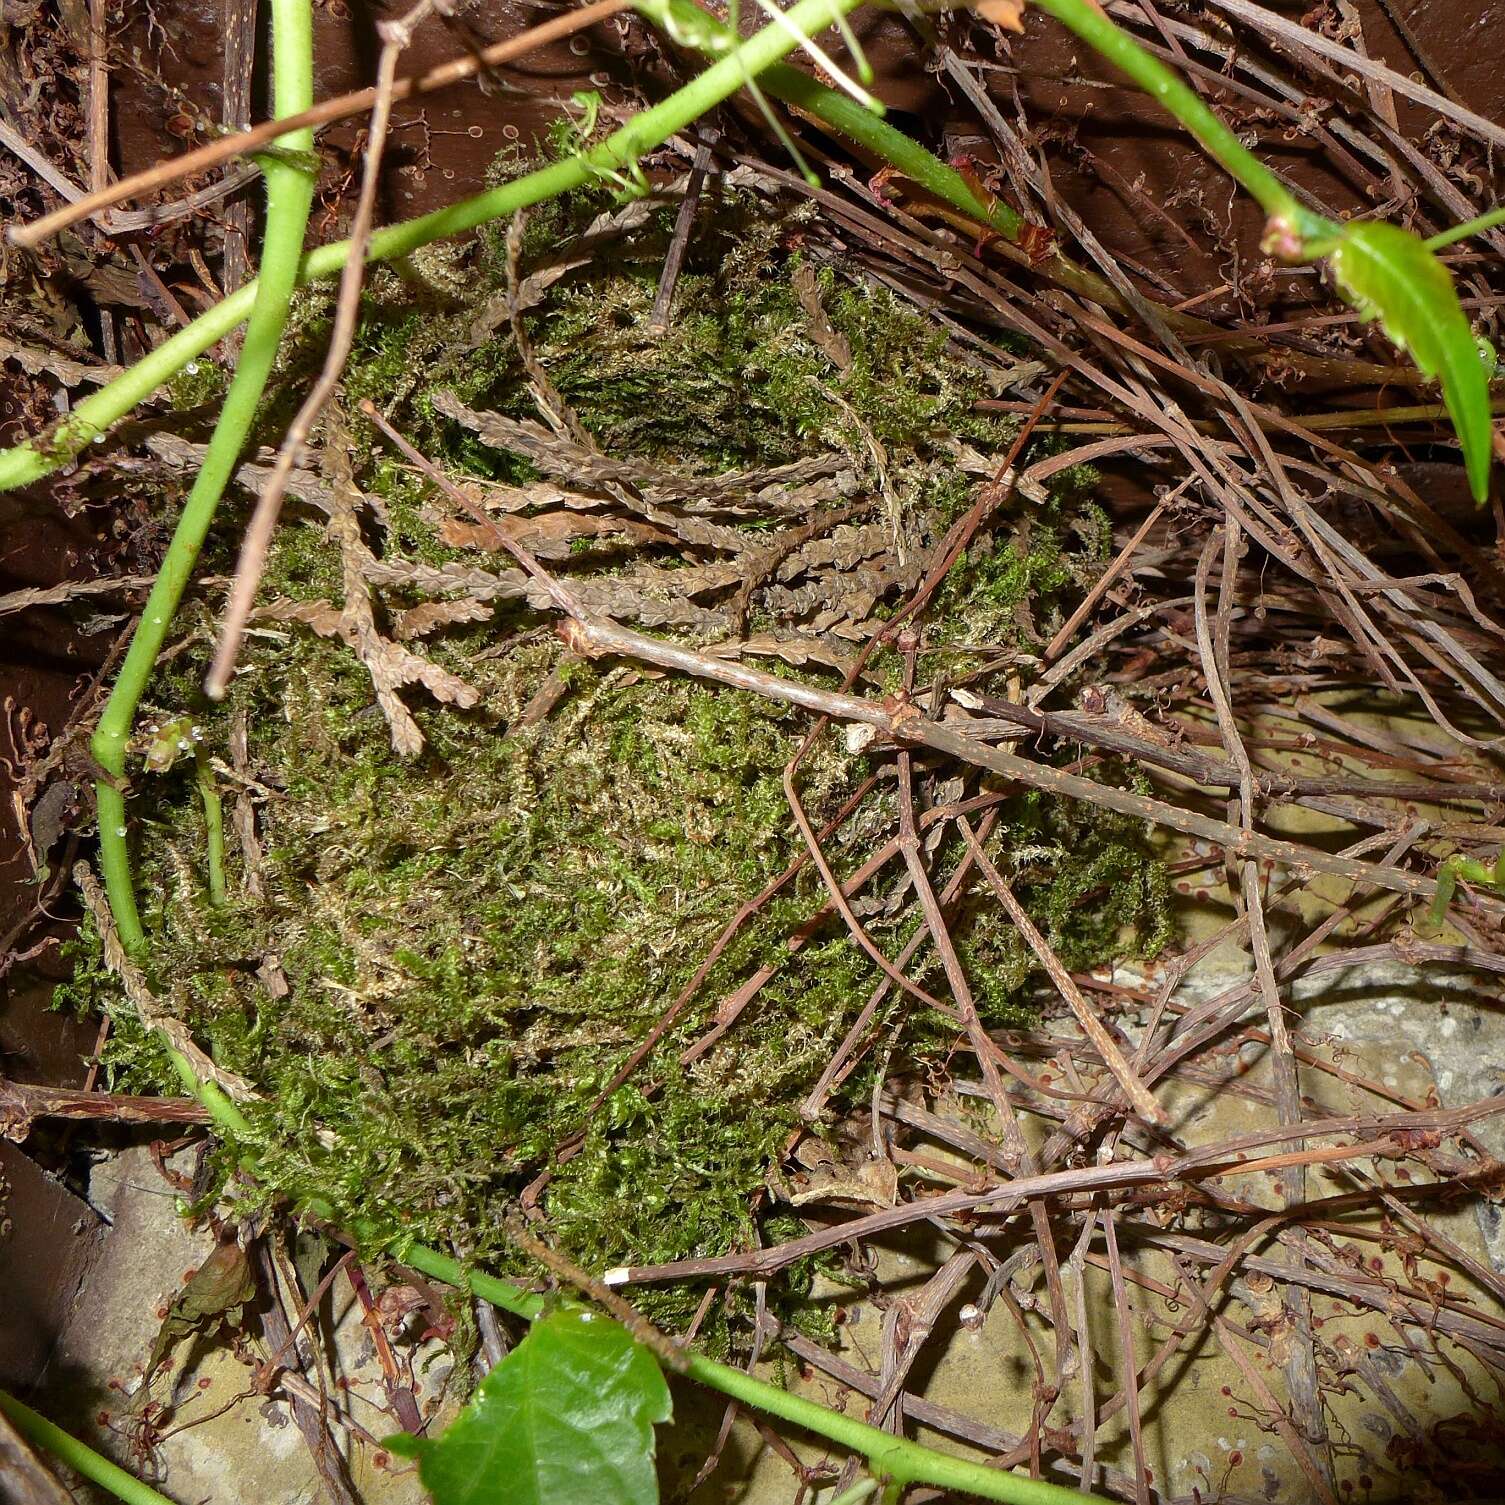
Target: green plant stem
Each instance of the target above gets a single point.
(289, 194)
(844, 115)
(859, 1492)
(889, 1457)
(1164, 84)
(1477, 226)
(686, 23)
(78, 1456)
(214, 826)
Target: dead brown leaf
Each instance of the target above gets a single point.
(430, 616)
(829, 340)
(390, 665)
(548, 536)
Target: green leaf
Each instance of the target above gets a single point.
(1388, 274)
(567, 1416)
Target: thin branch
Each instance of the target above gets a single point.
(1311, 40)
(1093, 1027)
(905, 724)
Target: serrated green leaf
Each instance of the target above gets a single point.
(1388, 274)
(567, 1416)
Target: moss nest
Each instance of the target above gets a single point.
(443, 959)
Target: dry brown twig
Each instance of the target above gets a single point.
(310, 1418)
(1307, 39)
(1212, 643)
(1093, 1027)
(904, 725)
(21, 1103)
(1376, 1137)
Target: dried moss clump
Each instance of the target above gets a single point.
(442, 960)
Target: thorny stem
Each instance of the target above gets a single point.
(289, 194)
(78, 1456)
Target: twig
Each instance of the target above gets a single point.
(906, 1326)
(1309, 1465)
(1212, 1161)
(1086, 1354)
(399, 1396)
(904, 724)
(1103, 584)
(1311, 40)
(1130, 1363)
(99, 143)
(39, 163)
(684, 223)
(236, 67)
(309, 1418)
(21, 1102)
(1016, 1148)
(1301, 1362)
(154, 216)
(927, 1412)
(834, 887)
(733, 1005)
(1093, 1027)
(843, 1061)
(729, 932)
(668, 1352)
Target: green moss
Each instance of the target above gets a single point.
(199, 383)
(448, 959)
(1010, 585)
